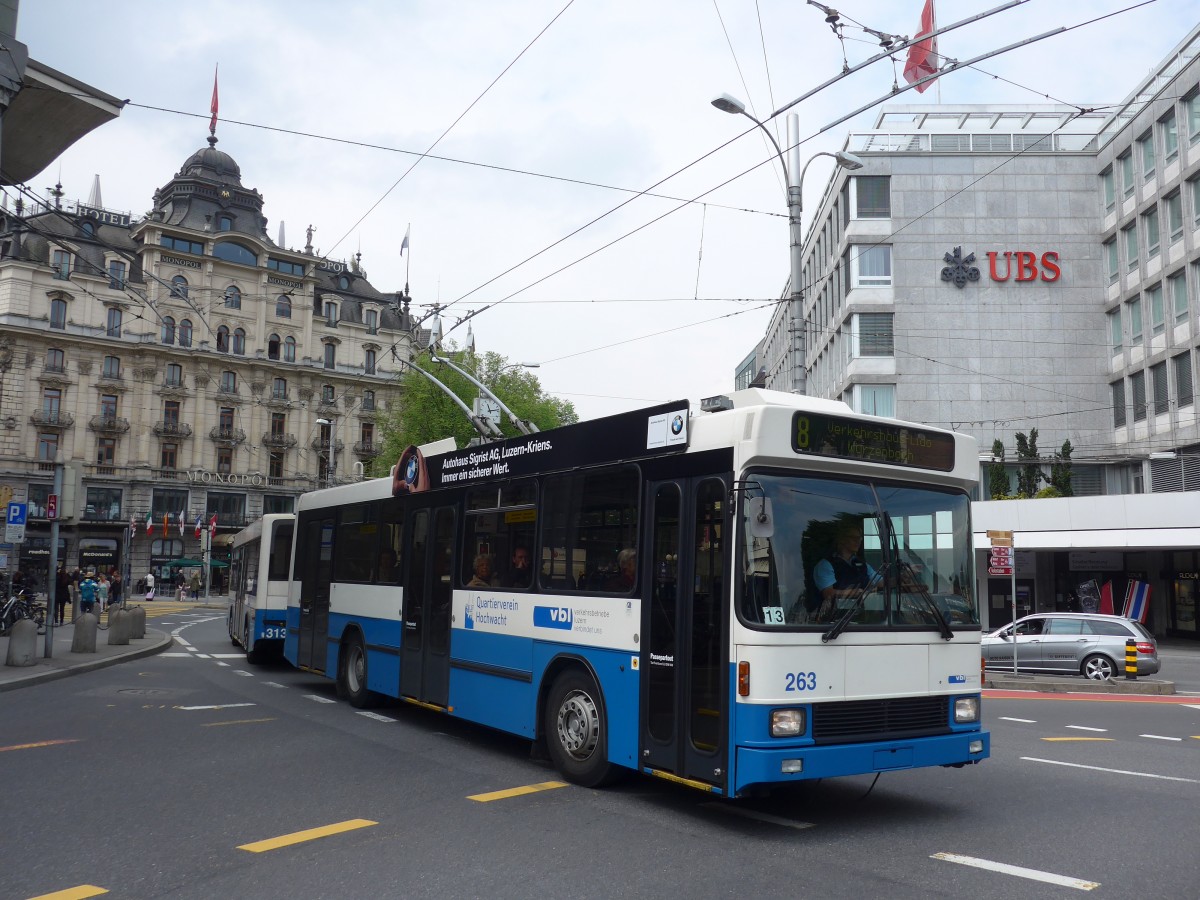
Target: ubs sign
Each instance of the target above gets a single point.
(1015, 265)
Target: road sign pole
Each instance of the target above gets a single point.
(1014, 605)
(52, 577)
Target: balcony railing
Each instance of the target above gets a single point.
(102, 513)
(55, 420)
(279, 441)
(109, 424)
(52, 369)
(230, 436)
(172, 430)
(319, 444)
(367, 449)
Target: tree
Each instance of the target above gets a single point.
(1030, 474)
(1060, 471)
(423, 412)
(997, 475)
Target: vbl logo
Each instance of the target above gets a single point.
(552, 617)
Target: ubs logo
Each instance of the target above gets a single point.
(1019, 265)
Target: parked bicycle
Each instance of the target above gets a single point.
(21, 606)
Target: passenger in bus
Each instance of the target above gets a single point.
(520, 575)
(387, 567)
(842, 575)
(622, 582)
(483, 572)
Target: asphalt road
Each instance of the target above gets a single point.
(193, 775)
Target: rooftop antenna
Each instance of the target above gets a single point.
(94, 200)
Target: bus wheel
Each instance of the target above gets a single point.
(253, 655)
(352, 675)
(576, 730)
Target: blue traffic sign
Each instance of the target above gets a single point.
(16, 513)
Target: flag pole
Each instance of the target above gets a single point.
(937, 83)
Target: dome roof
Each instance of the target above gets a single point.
(209, 162)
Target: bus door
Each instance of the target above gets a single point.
(429, 567)
(684, 663)
(316, 570)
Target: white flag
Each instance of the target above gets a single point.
(404, 243)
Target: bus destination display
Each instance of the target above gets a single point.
(882, 442)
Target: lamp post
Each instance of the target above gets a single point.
(329, 471)
(795, 204)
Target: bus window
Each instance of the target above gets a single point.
(356, 536)
(391, 534)
(497, 541)
(590, 538)
(281, 551)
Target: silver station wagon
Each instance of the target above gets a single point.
(1087, 644)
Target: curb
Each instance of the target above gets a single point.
(162, 642)
(1077, 685)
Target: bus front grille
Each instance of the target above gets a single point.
(871, 720)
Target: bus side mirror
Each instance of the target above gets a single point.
(758, 510)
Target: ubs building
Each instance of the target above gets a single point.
(998, 269)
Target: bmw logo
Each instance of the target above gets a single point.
(677, 425)
(410, 471)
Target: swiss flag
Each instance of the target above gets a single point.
(212, 526)
(922, 54)
(212, 125)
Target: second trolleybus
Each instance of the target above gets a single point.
(666, 591)
(261, 554)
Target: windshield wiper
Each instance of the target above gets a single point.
(923, 592)
(840, 625)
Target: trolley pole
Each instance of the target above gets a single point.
(52, 578)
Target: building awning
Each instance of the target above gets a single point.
(49, 114)
(1101, 539)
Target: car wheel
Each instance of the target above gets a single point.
(352, 675)
(576, 730)
(1099, 668)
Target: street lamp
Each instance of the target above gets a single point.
(795, 204)
(329, 473)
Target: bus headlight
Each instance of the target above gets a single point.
(788, 722)
(966, 709)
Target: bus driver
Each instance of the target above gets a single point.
(843, 574)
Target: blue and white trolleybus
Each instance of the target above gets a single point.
(771, 589)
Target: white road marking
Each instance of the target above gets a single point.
(376, 716)
(1085, 728)
(219, 663)
(206, 656)
(318, 698)
(1159, 737)
(274, 684)
(176, 655)
(217, 706)
(187, 648)
(760, 816)
(243, 672)
(1191, 706)
(1055, 762)
(1020, 871)
(228, 655)
(1011, 719)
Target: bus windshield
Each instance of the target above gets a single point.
(865, 555)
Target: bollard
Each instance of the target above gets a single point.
(22, 643)
(1131, 660)
(84, 640)
(118, 627)
(137, 620)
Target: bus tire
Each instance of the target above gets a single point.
(352, 675)
(254, 655)
(576, 730)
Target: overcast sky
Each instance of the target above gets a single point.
(612, 93)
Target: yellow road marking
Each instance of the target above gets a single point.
(76, 893)
(39, 744)
(237, 722)
(518, 792)
(299, 837)
(1060, 739)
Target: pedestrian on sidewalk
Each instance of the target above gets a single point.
(102, 592)
(114, 588)
(149, 585)
(62, 594)
(195, 585)
(87, 593)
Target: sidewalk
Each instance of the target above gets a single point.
(64, 663)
